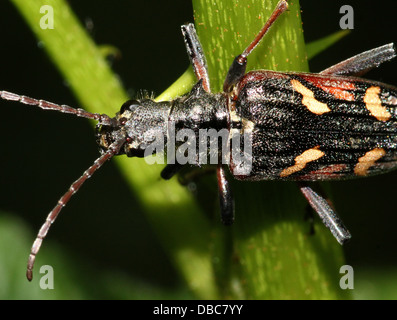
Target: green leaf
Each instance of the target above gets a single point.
(315, 47)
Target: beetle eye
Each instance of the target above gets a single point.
(129, 105)
(123, 121)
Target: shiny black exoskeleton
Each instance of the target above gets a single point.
(140, 122)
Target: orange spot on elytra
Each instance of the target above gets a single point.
(302, 160)
(308, 99)
(374, 104)
(368, 160)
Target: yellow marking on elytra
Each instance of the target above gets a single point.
(374, 104)
(302, 160)
(368, 160)
(308, 99)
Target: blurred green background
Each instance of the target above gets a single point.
(103, 231)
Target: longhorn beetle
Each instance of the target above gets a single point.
(300, 126)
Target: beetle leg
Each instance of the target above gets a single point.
(363, 62)
(326, 213)
(170, 170)
(309, 215)
(225, 197)
(199, 64)
(196, 55)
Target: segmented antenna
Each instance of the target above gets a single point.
(112, 150)
(46, 105)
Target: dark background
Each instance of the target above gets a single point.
(43, 152)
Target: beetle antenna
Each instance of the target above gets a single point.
(112, 150)
(46, 105)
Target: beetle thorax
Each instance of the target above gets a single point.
(145, 123)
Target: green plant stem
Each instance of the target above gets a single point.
(277, 259)
(180, 225)
(275, 256)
